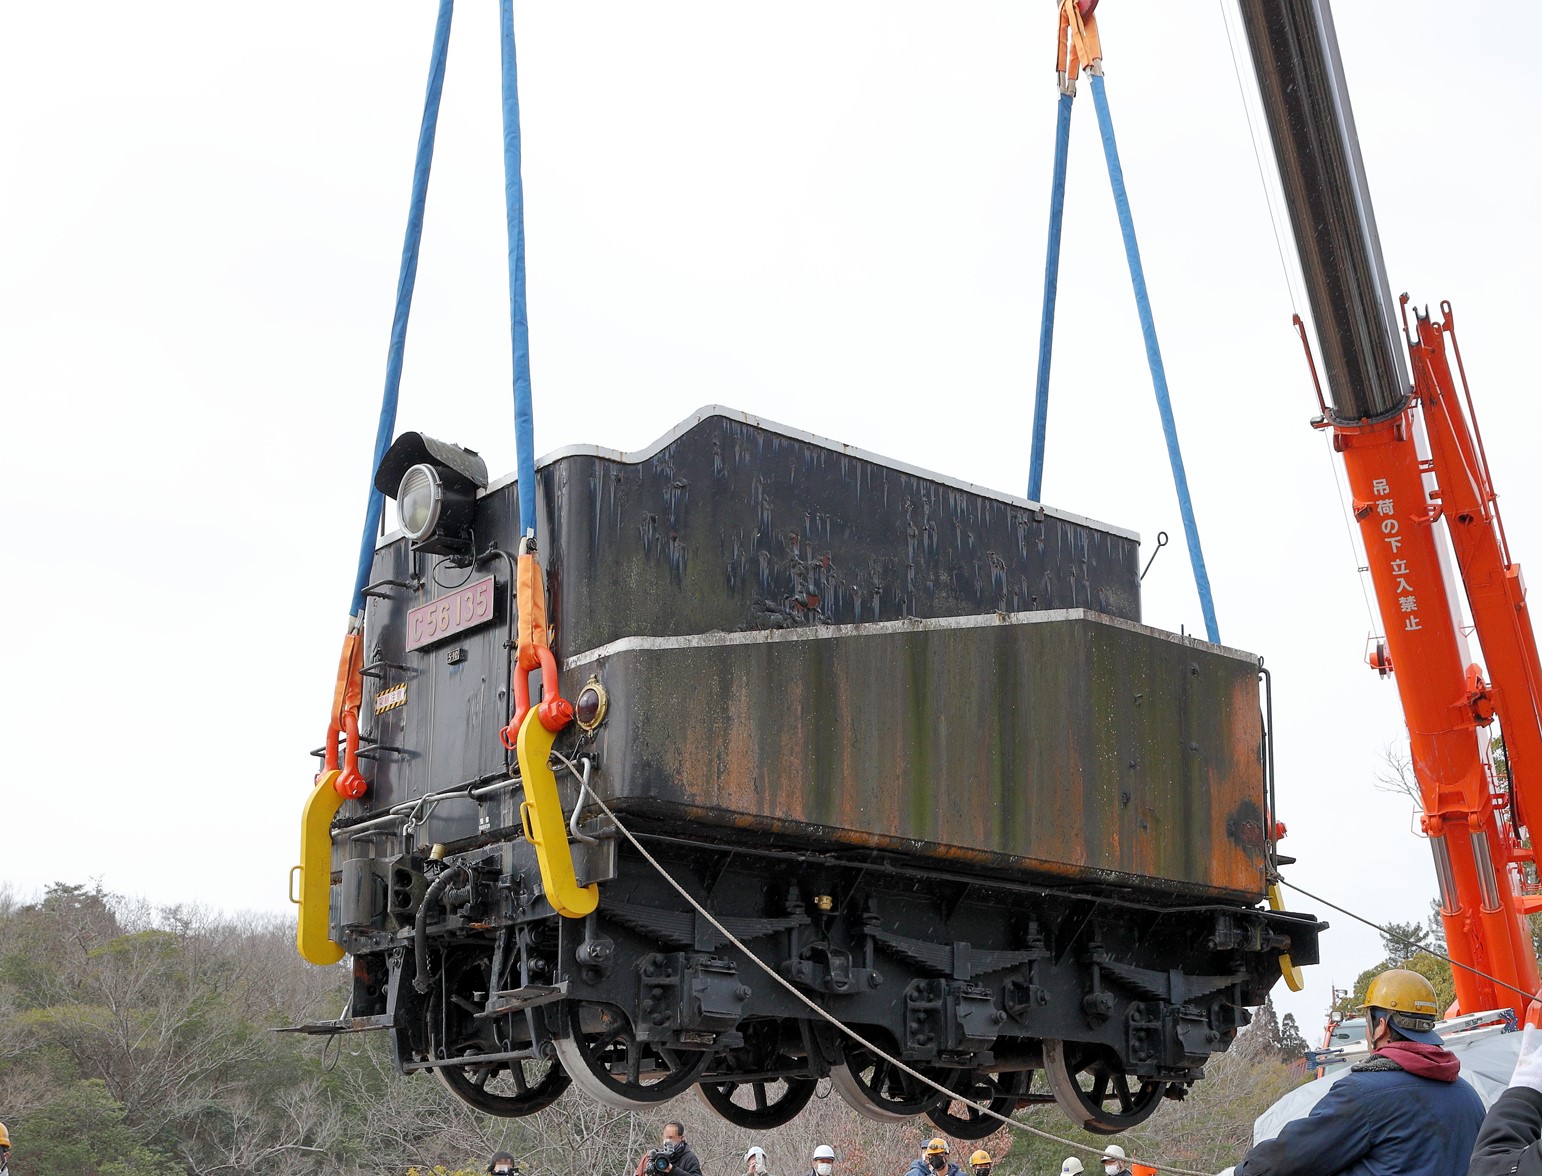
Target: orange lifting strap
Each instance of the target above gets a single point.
(1078, 43)
(555, 712)
(347, 697)
(532, 611)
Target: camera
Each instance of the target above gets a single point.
(661, 1159)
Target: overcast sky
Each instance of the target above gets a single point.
(829, 215)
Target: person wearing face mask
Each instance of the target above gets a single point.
(1404, 1108)
(1115, 1162)
(934, 1161)
(980, 1163)
(674, 1152)
(502, 1164)
(755, 1162)
(824, 1160)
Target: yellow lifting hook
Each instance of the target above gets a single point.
(545, 829)
(1291, 974)
(313, 935)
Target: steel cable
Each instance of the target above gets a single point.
(846, 1029)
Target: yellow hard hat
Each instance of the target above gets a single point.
(1400, 991)
(937, 1146)
(1409, 999)
(979, 1157)
(5, 1136)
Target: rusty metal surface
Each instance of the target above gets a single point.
(1061, 744)
(728, 525)
(736, 526)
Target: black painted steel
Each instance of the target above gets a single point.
(904, 738)
(1306, 100)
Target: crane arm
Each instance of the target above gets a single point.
(1412, 463)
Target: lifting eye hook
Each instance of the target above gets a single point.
(350, 784)
(554, 711)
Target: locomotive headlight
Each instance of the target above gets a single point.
(435, 485)
(419, 500)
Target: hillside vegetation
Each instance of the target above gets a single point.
(137, 1041)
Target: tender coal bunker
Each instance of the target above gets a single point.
(799, 531)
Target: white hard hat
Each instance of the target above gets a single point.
(1072, 1167)
(1114, 1152)
(824, 1152)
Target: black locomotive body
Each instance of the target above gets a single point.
(902, 739)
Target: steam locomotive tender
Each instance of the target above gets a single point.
(905, 739)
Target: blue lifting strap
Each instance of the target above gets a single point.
(519, 325)
(1051, 287)
(406, 279)
(1154, 357)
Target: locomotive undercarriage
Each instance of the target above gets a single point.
(1004, 994)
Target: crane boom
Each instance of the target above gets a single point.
(1414, 460)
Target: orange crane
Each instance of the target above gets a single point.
(1420, 482)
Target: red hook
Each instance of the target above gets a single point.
(554, 712)
(351, 784)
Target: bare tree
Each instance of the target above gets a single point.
(1397, 775)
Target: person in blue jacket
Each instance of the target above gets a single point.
(1404, 1110)
(934, 1161)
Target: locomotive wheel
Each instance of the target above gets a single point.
(600, 1051)
(508, 1089)
(757, 1106)
(963, 1121)
(1093, 1092)
(880, 1090)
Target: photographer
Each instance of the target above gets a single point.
(502, 1164)
(672, 1157)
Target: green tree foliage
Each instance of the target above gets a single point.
(136, 1041)
(82, 1131)
(1403, 941)
(1292, 1044)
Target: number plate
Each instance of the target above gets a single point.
(455, 612)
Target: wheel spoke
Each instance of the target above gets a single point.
(881, 1071)
(1122, 1089)
(759, 1090)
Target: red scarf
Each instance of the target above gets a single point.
(1425, 1061)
